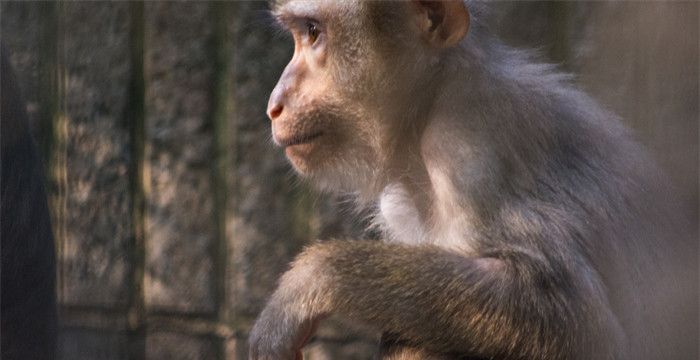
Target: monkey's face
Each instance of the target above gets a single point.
(340, 107)
(320, 110)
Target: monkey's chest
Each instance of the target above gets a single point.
(401, 222)
(400, 219)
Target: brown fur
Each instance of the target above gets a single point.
(521, 220)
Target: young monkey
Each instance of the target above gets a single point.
(520, 219)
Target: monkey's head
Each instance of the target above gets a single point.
(351, 102)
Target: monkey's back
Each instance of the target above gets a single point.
(615, 206)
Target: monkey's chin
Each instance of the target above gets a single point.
(302, 157)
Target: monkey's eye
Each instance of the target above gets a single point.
(312, 31)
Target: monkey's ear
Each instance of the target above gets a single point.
(443, 22)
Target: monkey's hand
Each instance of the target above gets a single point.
(279, 335)
(289, 319)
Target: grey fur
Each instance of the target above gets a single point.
(569, 249)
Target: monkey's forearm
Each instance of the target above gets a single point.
(441, 300)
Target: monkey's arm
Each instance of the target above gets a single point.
(505, 303)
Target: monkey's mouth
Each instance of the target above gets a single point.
(299, 139)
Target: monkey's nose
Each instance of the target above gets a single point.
(274, 110)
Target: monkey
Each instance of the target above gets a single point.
(519, 218)
(28, 306)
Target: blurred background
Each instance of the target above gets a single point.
(174, 214)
